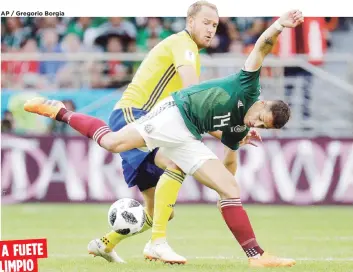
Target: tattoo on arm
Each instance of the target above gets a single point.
(269, 41)
(267, 45)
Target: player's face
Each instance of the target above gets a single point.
(204, 26)
(259, 116)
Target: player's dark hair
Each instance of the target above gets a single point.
(196, 7)
(280, 112)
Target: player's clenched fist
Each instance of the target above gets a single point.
(291, 18)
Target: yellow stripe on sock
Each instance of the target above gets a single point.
(174, 177)
(166, 194)
(148, 219)
(176, 173)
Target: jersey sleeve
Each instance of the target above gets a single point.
(250, 83)
(184, 53)
(232, 139)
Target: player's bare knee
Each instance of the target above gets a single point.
(229, 190)
(162, 162)
(108, 142)
(123, 140)
(173, 166)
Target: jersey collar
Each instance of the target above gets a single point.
(187, 32)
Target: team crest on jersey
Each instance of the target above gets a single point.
(189, 55)
(238, 128)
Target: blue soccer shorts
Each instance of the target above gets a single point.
(138, 166)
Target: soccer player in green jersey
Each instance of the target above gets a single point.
(229, 105)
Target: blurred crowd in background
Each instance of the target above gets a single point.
(99, 34)
(114, 35)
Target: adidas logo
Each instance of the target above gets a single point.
(240, 104)
(171, 205)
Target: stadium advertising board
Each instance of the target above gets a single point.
(74, 169)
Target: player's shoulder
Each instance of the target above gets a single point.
(181, 39)
(249, 73)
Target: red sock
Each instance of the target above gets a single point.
(239, 224)
(88, 126)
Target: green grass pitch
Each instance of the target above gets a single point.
(319, 238)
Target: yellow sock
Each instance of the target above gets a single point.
(113, 238)
(165, 197)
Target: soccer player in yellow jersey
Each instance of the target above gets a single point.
(171, 65)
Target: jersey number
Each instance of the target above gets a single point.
(224, 119)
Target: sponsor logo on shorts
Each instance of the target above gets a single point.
(148, 128)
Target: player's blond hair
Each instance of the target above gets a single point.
(196, 7)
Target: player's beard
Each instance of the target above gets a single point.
(203, 42)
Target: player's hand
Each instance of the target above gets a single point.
(253, 135)
(291, 18)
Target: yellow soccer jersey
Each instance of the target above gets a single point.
(157, 76)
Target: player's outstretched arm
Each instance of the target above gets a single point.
(267, 40)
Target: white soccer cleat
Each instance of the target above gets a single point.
(97, 248)
(147, 251)
(160, 250)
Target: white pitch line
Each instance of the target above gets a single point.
(324, 239)
(327, 259)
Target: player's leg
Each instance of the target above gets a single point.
(166, 194)
(214, 175)
(139, 170)
(158, 130)
(125, 139)
(112, 238)
(134, 164)
(195, 159)
(146, 184)
(146, 180)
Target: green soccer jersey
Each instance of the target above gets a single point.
(220, 104)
